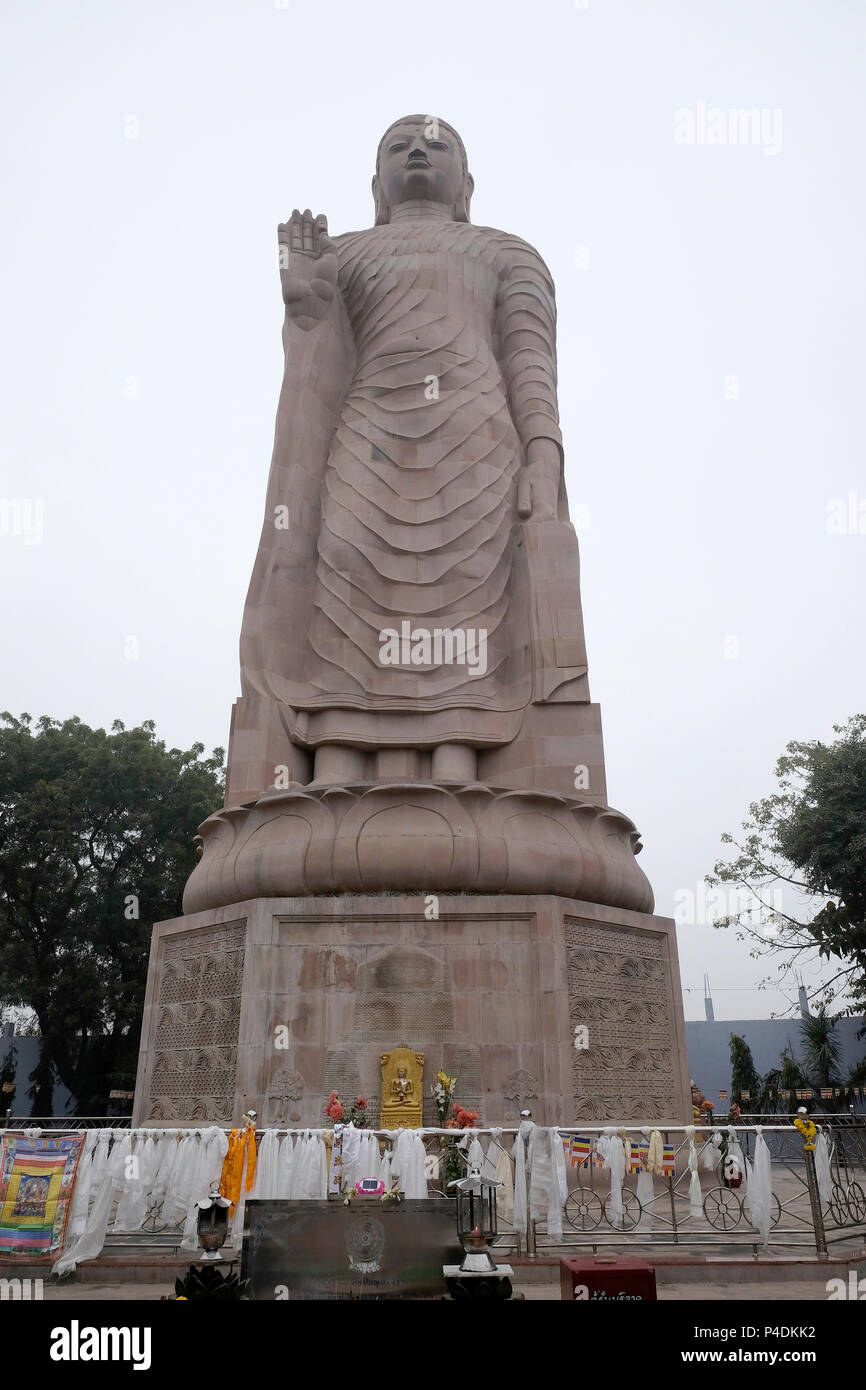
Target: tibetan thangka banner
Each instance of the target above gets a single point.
(37, 1177)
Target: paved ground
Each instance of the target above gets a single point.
(778, 1291)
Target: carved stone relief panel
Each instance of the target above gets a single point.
(195, 1040)
(520, 1088)
(284, 1092)
(618, 989)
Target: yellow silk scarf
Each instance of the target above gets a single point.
(241, 1146)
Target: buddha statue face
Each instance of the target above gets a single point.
(420, 158)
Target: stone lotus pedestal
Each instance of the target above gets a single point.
(423, 837)
(492, 990)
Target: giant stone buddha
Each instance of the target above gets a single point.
(416, 847)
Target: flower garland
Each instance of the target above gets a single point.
(808, 1129)
(451, 1116)
(462, 1119)
(335, 1110)
(443, 1093)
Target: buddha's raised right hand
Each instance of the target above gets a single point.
(308, 267)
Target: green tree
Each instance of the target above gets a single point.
(96, 843)
(788, 1076)
(808, 840)
(822, 1051)
(8, 1068)
(744, 1075)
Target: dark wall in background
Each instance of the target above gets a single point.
(27, 1055)
(709, 1047)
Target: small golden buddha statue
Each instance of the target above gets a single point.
(402, 1088)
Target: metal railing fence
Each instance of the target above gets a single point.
(664, 1216)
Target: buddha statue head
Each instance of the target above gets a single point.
(422, 160)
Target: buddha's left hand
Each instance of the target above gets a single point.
(538, 482)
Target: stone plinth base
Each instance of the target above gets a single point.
(272, 1003)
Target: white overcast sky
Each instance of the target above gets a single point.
(149, 264)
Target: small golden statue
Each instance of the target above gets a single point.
(402, 1089)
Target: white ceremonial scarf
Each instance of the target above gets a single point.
(761, 1187)
(164, 1160)
(204, 1170)
(656, 1153)
(178, 1177)
(351, 1155)
(696, 1201)
(90, 1242)
(557, 1194)
(398, 1155)
(385, 1173)
(319, 1173)
(101, 1156)
(540, 1173)
(312, 1168)
(196, 1180)
(646, 1187)
(525, 1132)
(285, 1164)
(294, 1173)
(415, 1170)
(368, 1163)
(488, 1167)
(83, 1185)
(734, 1155)
(612, 1150)
(645, 1195)
(505, 1195)
(265, 1182)
(476, 1153)
(710, 1152)
(822, 1168)
(117, 1164)
(408, 1164)
(164, 1156)
(92, 1238)
(186, 1175)
(299, 1166)
(138, 1178)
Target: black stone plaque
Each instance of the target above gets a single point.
(370, 1249)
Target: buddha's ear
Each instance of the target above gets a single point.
(461, 209)
(383, 211)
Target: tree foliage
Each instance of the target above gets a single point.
(808, 840)
(821, 1049)
(96, 843)
(819, 1070)
(744, 1074)
(789, 1077)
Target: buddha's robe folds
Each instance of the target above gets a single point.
(401, 431)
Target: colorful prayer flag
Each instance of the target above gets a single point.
(577, 1150)
(639, 1150)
